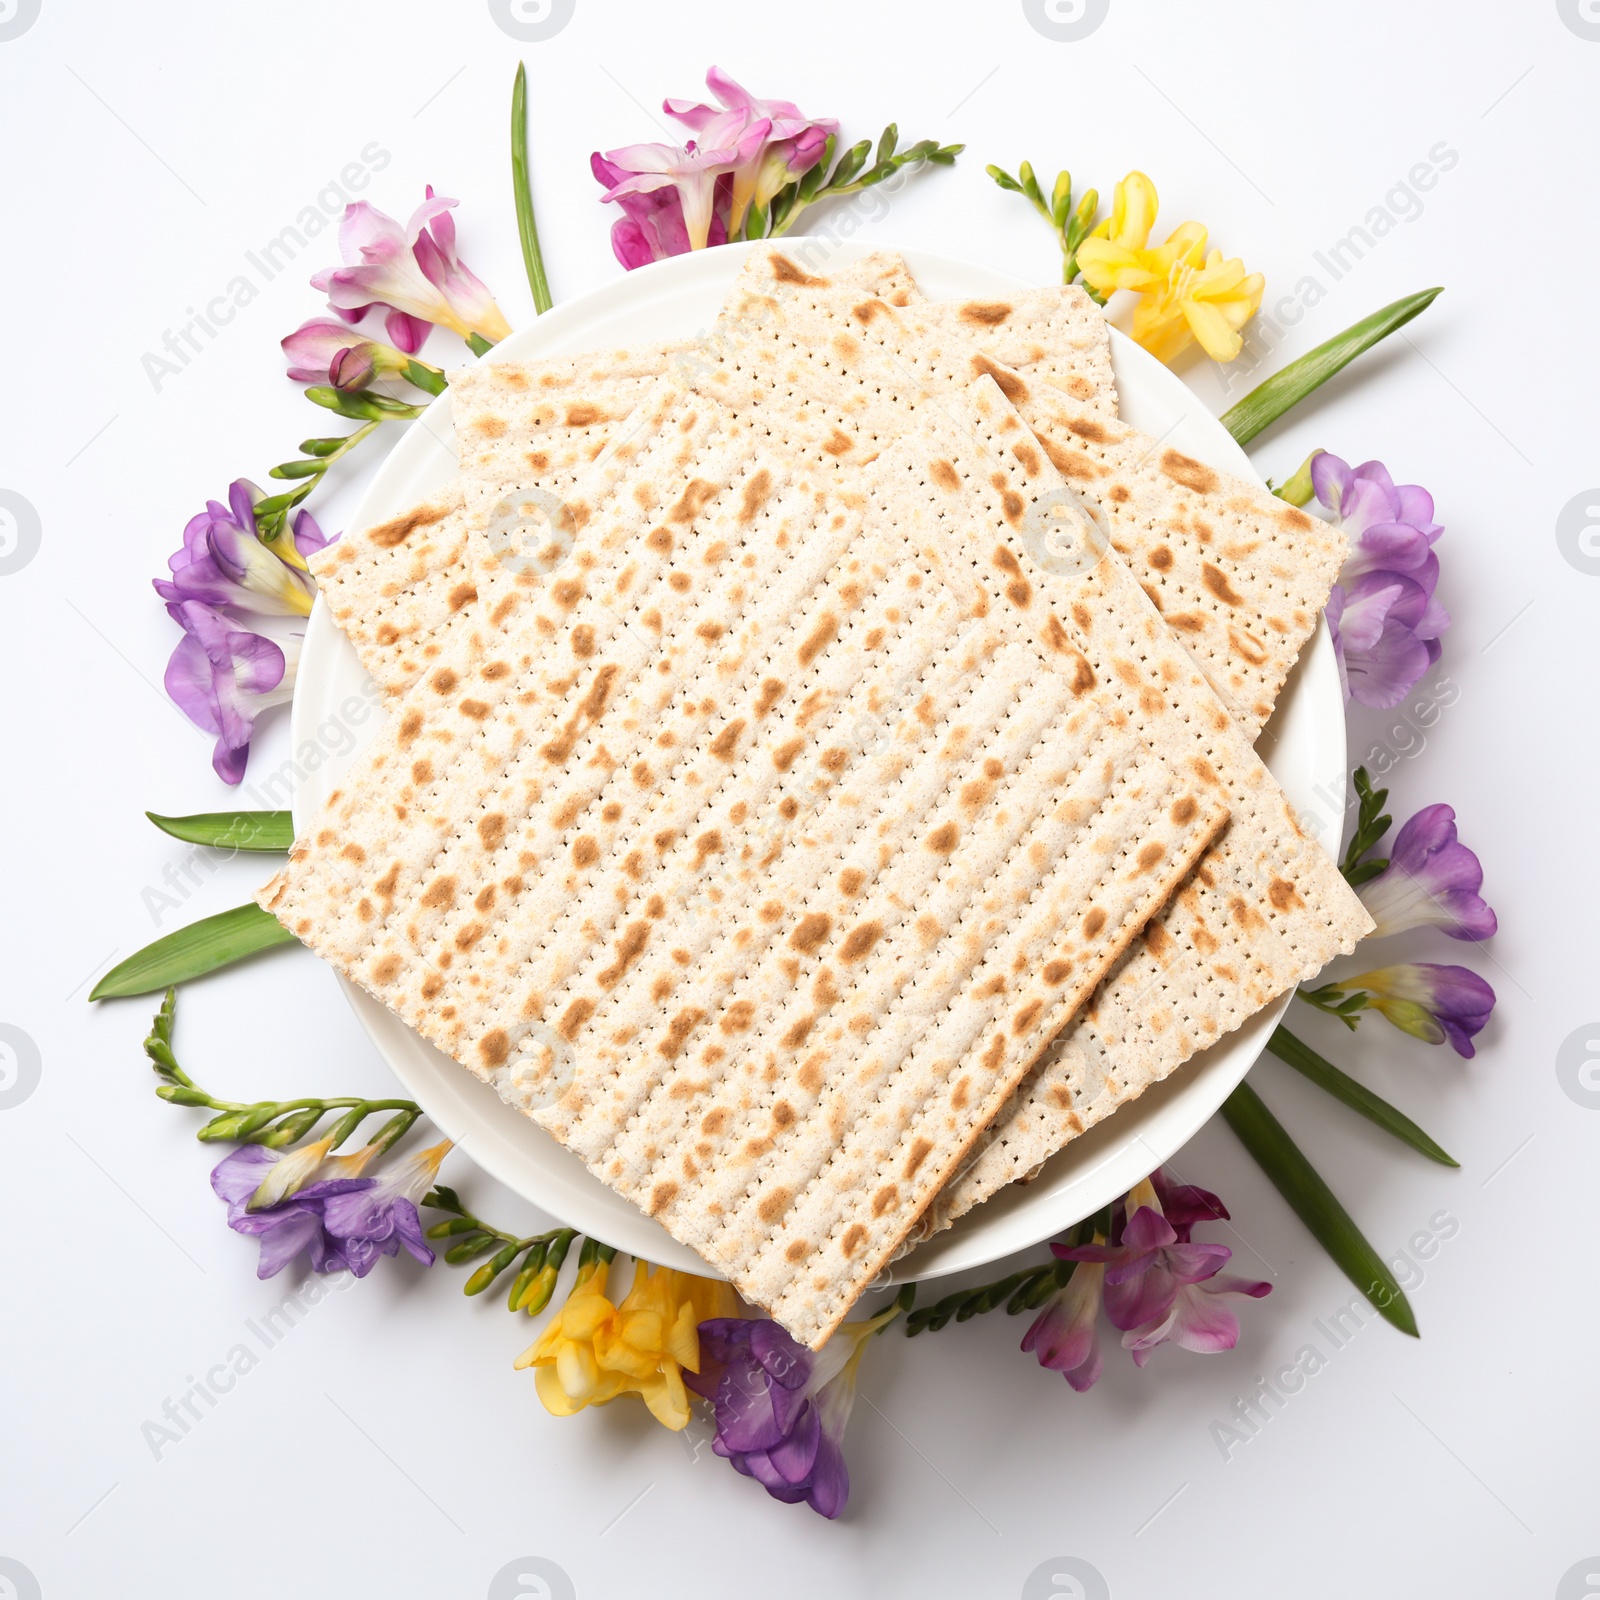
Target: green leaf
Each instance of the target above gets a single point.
(202, 947)
(1299, 1055)
(1316, 1205)
(1266, 403)
(263, 831)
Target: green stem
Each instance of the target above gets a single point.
(1316, 1205)
(1299, 1055)
(527, 228)
(1266, 403)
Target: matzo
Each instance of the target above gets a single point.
(1287, 909)
(770, 839)
(396, 587)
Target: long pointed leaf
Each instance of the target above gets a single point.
(202, 947)
(1299, 1055)
(1268, 401)
(1316, 1205)
(231, 830)
(527, 228)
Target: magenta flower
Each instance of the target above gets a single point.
(1064, 1335)
(781, 1410)
(381, 1215)
(1432, 1003)
(1432, 881)
(224, 563)
(1157, 1286)
(652, 226)
(1382, 613)
(288, 1227)
(692, 172)
(325, 351)
(223, 678)
(793, 145)
(412, 275)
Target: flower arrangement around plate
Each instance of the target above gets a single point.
(321, 1183)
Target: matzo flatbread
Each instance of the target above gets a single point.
(393, 589)
(1275, 893)
(760, 848)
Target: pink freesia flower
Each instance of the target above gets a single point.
(652, 227)
(794, 142)
(412, 275)
(1432, 881)
(327, 351)
(1063, 1335)
(1157, 1286)
(223, 678)
(743, 152)
(692, 171)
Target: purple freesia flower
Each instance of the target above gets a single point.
(781, 1410)
(223, 678)
(287, 1227)
(1430, 1002)
(1382, 613)
(224, 563)
(380, 1216)
(412, 275)
(1432, 881)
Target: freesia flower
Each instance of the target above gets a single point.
(793, 145)
(1382, 613)
(781, 1410)
(380, 1216)
(325, 351)
(1186, 294)
(1157, 1285)
(652, 226)
(1064, 1334)
(592, 1350)
(1432, 881)
(224, 563)
(287, 1227)
(223, 678)
(691, 172)
(412, 275)
(1430, 1002)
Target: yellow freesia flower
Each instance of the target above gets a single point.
(1185, 293)
(593, 1350)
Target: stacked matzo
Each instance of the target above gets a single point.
(760, 832)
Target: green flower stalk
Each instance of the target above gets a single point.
(1071, 224)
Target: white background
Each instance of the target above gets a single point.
(384, 1445)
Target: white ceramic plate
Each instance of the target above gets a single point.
(1303, 745)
